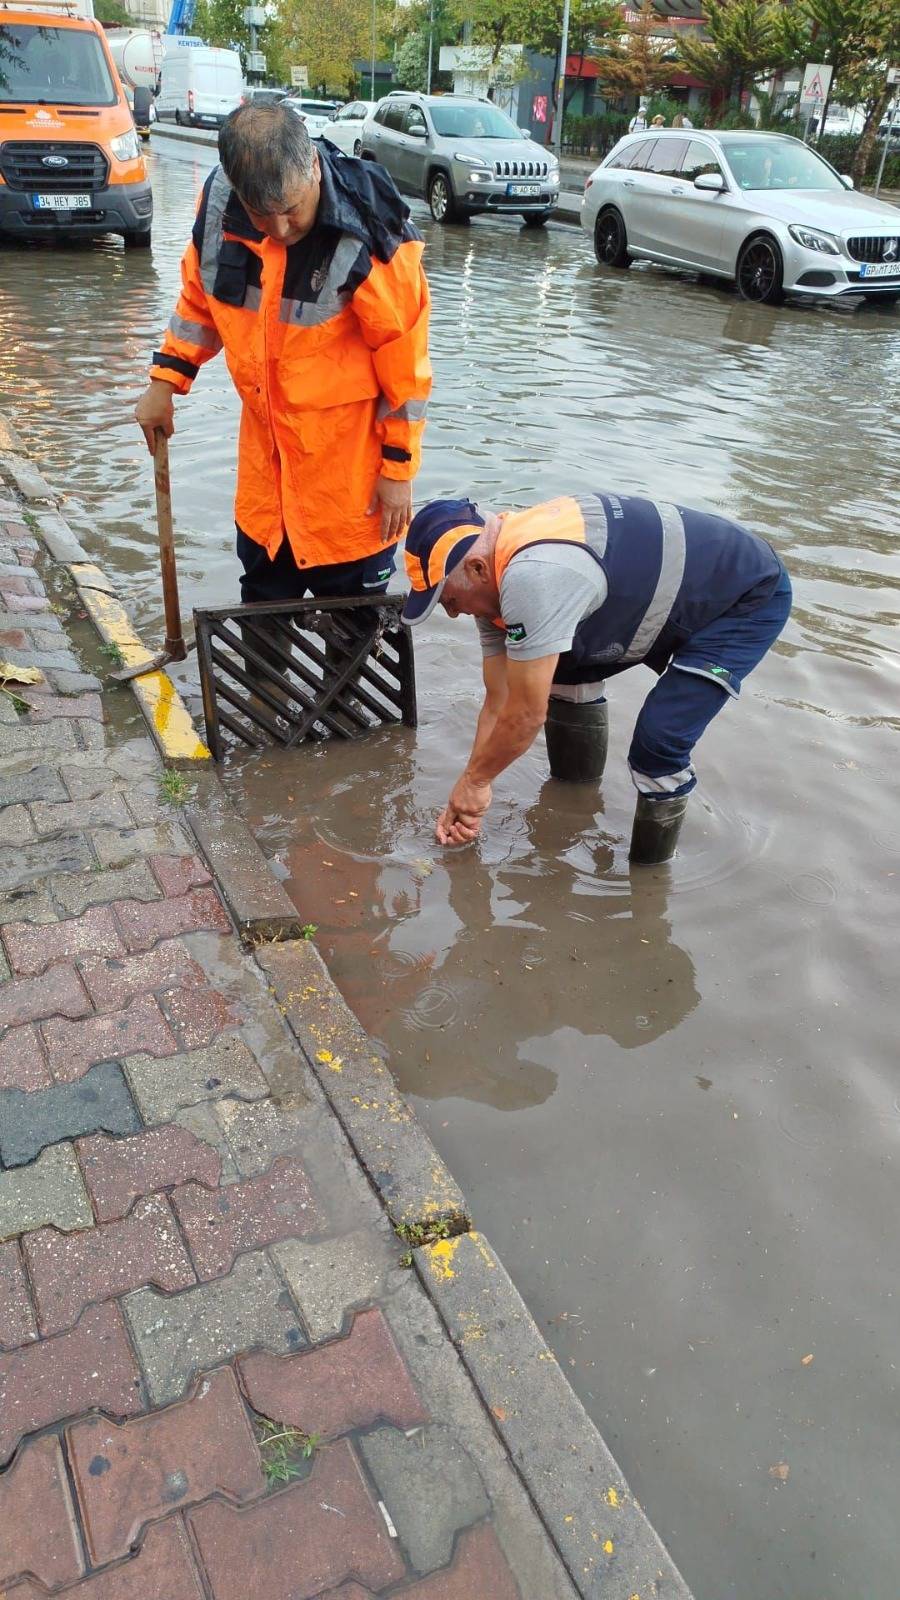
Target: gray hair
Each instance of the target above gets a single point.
(265, 151)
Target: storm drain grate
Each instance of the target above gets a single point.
(276, 672)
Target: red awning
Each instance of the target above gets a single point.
(581, 67)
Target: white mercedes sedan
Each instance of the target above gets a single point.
(760, 208)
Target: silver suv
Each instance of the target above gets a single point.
(463, 155)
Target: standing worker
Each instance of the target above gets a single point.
(575, 590)
(304, 268)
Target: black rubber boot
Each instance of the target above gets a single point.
(657, 824)
(577, 739)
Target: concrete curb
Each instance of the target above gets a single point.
(184, 135)
(168, 719)
(602, 1535)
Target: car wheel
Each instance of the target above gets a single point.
(760, 271)
(137, 239)
(535, 219)
(440, 198)
(611, 240)
(357, 147)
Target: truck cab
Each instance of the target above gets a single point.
(70, 160)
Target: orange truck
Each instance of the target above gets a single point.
(70, 160)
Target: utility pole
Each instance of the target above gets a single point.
(374, 36)
(561, 82)
(893, 77)
(430, 46)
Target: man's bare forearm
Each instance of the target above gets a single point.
(512, 734)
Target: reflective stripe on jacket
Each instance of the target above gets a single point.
(669, 571)
(327, 343)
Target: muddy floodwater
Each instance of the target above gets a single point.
(673, 1097)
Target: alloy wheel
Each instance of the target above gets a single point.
(438, 198)
(760, 270)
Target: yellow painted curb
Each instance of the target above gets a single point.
(167, 715)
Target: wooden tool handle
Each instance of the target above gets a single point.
(175, 645)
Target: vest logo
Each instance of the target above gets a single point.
(516, 632)
(610, 652)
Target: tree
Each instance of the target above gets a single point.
(592, 24)
(746, 39)
(857, 38)
(113, 14)
(642, 60)
(325, 38)
(221, 22)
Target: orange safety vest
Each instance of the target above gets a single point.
(327, 344)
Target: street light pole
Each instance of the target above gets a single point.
(430, 46)
(561, 81)
(374, 32)
(887, 144)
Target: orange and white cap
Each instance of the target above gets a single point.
(437, 539)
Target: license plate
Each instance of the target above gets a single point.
(61, 202)
(523, 190)
(880, 269)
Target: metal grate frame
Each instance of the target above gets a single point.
(271, 671)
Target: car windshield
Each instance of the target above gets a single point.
(316, 108)
(53, 66)
(779, 164)
(472, 122)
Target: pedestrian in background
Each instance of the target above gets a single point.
(639, 121)
(303, 266)
(681, 121)
(659, 121)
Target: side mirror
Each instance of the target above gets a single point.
(417, 133)
(847, 181)
(142, 103)
(712, 182)
(526, 133)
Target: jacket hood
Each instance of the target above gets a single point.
(359, 197)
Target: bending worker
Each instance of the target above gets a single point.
(575, 590)
(304, 267)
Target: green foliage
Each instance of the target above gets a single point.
(221, 22)
(745, 39)
(640, 62)
(283, 1450)
(411, 62)
(588, 136)
(111, 12)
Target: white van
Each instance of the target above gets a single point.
(199, 84)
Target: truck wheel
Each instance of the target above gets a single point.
(357, 147)
(137, 239)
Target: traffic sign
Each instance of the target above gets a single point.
(816, 82)
(299, 77)
(893, 74)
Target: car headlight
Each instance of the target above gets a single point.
(812, 239)
(125, 147)
(472, 161)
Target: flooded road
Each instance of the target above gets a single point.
(672, 1097)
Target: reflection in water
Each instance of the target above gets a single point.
(552, 1016)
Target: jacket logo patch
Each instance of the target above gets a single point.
(516, 632)
(317, 280)
(611, 652)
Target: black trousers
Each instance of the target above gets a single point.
(282, 579)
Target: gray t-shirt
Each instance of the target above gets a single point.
(544, 593)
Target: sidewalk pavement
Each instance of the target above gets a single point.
(226, 1368)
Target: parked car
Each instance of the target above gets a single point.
(315, 113)
(464, 155)
(259, 96)
(760, 208)
(198, 84)
(345, 129)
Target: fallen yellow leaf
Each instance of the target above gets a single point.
(807, 1361)
(781, 1471)
(11, 672)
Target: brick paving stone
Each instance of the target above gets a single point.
(32, 949)
(163, 1569)
(17, 1324)
(225, 1068)
(45, 707)
(176, 1336)
(53, 737)
(50, 1192)
(58, 993)
(292, 1546)
(92, 735)
(22, 1064)
(13, 639)
(177, 874)
(91, 1365)
(118, 1171)
(479, 1570)
(101, 1100)
(112, 983)
(72, 1047)
(69, 681)
(24, 602)
(65, 852)
(198, 1014)
(12, 582)
(329, 1277)
(76, 893)
(347, 1383)
(136, 1472)
(195, 912)
(222, 1223)
(18, 827)
(37, 1523)
(33, 783)
(115, 849)
(71, 1271)
(431, 1487)
(27, 905)
(103, 810)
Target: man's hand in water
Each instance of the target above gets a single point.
(460, 821)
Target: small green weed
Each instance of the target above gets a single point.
(406, 1259)
(309, 930)
(419, 1233)
(283, 1450)
(20, 706)
(173, 787)
(113, 653)
(31, 521)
